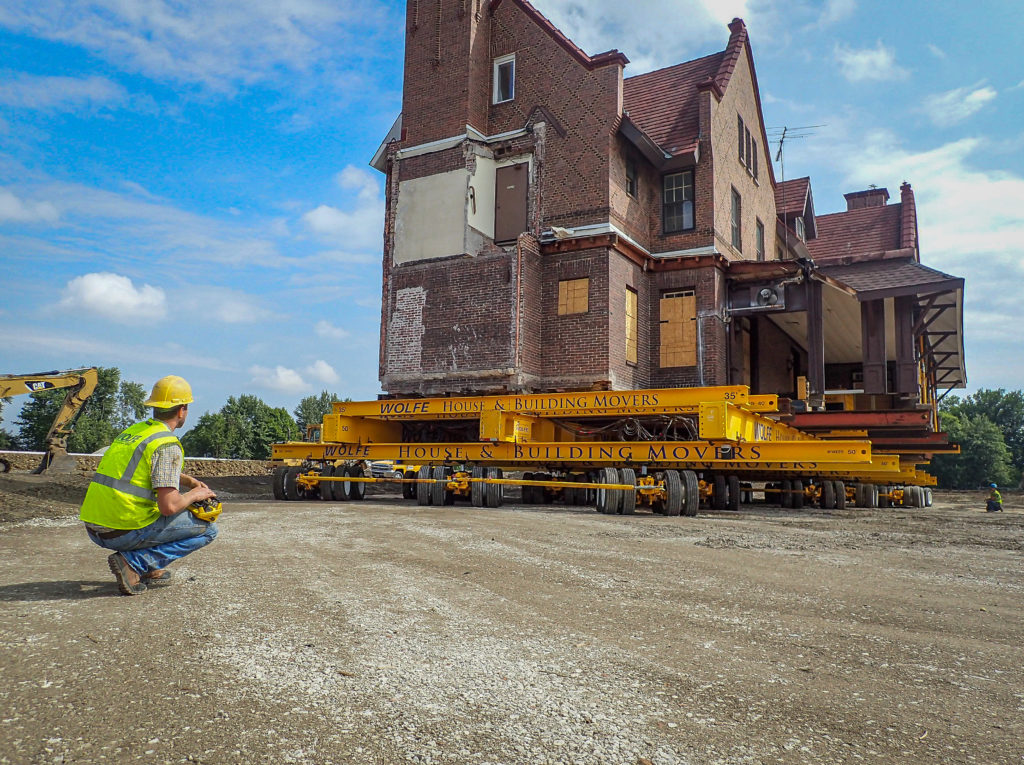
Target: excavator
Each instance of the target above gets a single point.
(80, 384)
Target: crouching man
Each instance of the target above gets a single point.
(133, 505)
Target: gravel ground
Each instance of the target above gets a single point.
(383, 632)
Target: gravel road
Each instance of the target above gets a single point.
(383, 632)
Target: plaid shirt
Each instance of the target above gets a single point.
(165, 471)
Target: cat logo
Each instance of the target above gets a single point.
(37, 385)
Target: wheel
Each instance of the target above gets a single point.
(873, 497)
(747, 494)
(440, 493)
(798, 495)
(356, 489)
(608, 500)
(279, 474)
(859, 492)
(494, 493)
(674, 497)
(732, 497)
(840, 489)
(786, 495)
(477, 490)
(691, 493)
(718, 497)
(928, 496)
(628, 500)
(544, 495)
(409, 489)
(828, 495)
(424, 491)
(528, 490)
(292, 490)
(327, 487)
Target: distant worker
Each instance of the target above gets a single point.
(995, 500)
(133, 504)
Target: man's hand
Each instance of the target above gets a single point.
(193, 483)
(171, 501)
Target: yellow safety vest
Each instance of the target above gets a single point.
(121, 494)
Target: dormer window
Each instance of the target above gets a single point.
(505, 78)
(801, 231)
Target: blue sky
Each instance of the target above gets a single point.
(184, 186)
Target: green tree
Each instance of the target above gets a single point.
(1005, 409)
(114, 405)
(243, 429)
(7, 440)
(311, 409)
(984, 456)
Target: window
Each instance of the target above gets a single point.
(678, 329)
(677, 202)
(737, 228)
(753, 156)
(504, 78)
(631, 176)
(801, 231)
(739, 133)
(748, 150)
(573, 296)
(759, 239)
(630, 326)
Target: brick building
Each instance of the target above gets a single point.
(553, 225)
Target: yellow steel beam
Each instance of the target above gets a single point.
(575, 405)
(724, 421)
(696, 454)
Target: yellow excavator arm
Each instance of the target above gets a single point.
(80, 384)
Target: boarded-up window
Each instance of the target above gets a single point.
(630, 326)
(678, 329)
(573, 296)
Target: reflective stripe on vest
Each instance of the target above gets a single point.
(123, 497)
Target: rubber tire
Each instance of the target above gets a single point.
(674, 497)
(527, 490)
(828, 495)
(929, 497)
(439, 491)
(732, 498)
(327, 487)
(628, 498)
(278, 482)
(608, 500)
(477, 490)
(494, 493)
(292, 491)
(840, 488)
(409, 489)
(356, 489)
(544, 495)
(719, 496)
(691, 493)
(798, 495)
(424, 491)
(786, 494)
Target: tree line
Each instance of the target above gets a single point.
(244, 428)
(988, 426)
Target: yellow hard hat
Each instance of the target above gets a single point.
(169, 392)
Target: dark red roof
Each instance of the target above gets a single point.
(867, 231)
(791, 196)
(664, 103)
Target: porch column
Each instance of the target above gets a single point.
(872, 340)
(906, 353)
(815, 345)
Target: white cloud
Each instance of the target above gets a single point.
(835, 11)
(323, 372)
(327, 330)
(58, 93)
(16, 210)
(223, 305)
(360, 227)
(869, 64)
(936, 51)
(280, 379)
(957, 105)
(217, 44)
(113, 296)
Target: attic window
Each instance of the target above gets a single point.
(631, 176)
(801, 230)
(504, 78)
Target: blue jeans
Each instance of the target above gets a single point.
(165, 540)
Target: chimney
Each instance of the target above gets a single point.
(855, 200)
(908, 217)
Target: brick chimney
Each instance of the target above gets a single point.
(855, 200)
(908, 217)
